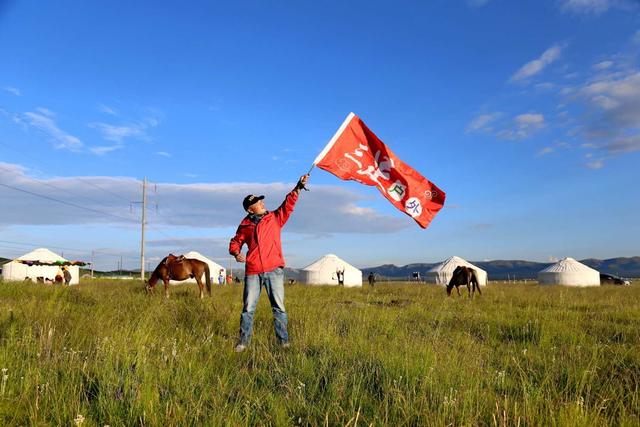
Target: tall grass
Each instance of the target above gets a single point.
(395, 354)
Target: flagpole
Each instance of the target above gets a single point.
(313, 165)
(332, 141)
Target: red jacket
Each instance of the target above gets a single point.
(263, 239)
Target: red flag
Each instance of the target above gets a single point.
(356, 153)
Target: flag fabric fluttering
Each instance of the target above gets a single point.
(356, 153)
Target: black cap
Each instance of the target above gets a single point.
(250, 200)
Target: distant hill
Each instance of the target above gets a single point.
(626, 267)
(503, 269)
(497, 269)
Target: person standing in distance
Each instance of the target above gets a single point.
(264, 264)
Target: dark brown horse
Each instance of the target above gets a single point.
(180, 268)
(464, 276)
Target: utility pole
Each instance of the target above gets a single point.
(92, 264)
(144, 217)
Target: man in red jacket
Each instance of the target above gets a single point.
(260, 231)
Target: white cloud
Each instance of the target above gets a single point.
(107, 110)
(324, 210)
(46, 112)
(47, 125)
(603, 65)
(523, 126)
(597, 164)
(163, 154)
(483, 122)
(118, 133)
(596, 7)
(588, 145)
(625, 144)
(477, 3)
(530, 119)
(545, 151)
(616, 99)
(535, 66)
(545, 86)
(12, 90)
(636, 37)
(101, 150)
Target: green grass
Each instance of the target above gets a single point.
(396, 354)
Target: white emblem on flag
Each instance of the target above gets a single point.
(413, 207)
(430, 194)
(397, 191)
(358, 152)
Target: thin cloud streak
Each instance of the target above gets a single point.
(596, 7)
(44, 122)
(535, 66)
(12, 90)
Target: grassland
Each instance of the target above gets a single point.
(103, 353)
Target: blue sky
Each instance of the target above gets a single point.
(526, 113)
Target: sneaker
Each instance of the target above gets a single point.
(240, 348)
(285, 344)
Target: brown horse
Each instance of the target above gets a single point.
(464, 276)
(180, 268)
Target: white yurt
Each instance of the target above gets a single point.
(214, 269)
(324, 272)
(441, 274)
(16, 271)
(569, 272)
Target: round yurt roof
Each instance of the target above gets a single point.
(451, 263)
(41, 254)
(568, 265)
(198, 255)
(328, 259)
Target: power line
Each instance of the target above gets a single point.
(103, 189)
(79, 206)
(66, 203)
(77, 177)
(61, 189)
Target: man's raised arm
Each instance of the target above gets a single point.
(284, 210)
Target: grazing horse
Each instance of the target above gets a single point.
(179, 268)
(464, 276)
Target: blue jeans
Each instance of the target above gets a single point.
(273, 282)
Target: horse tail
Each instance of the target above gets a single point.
(207, 277)
(477, 282)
